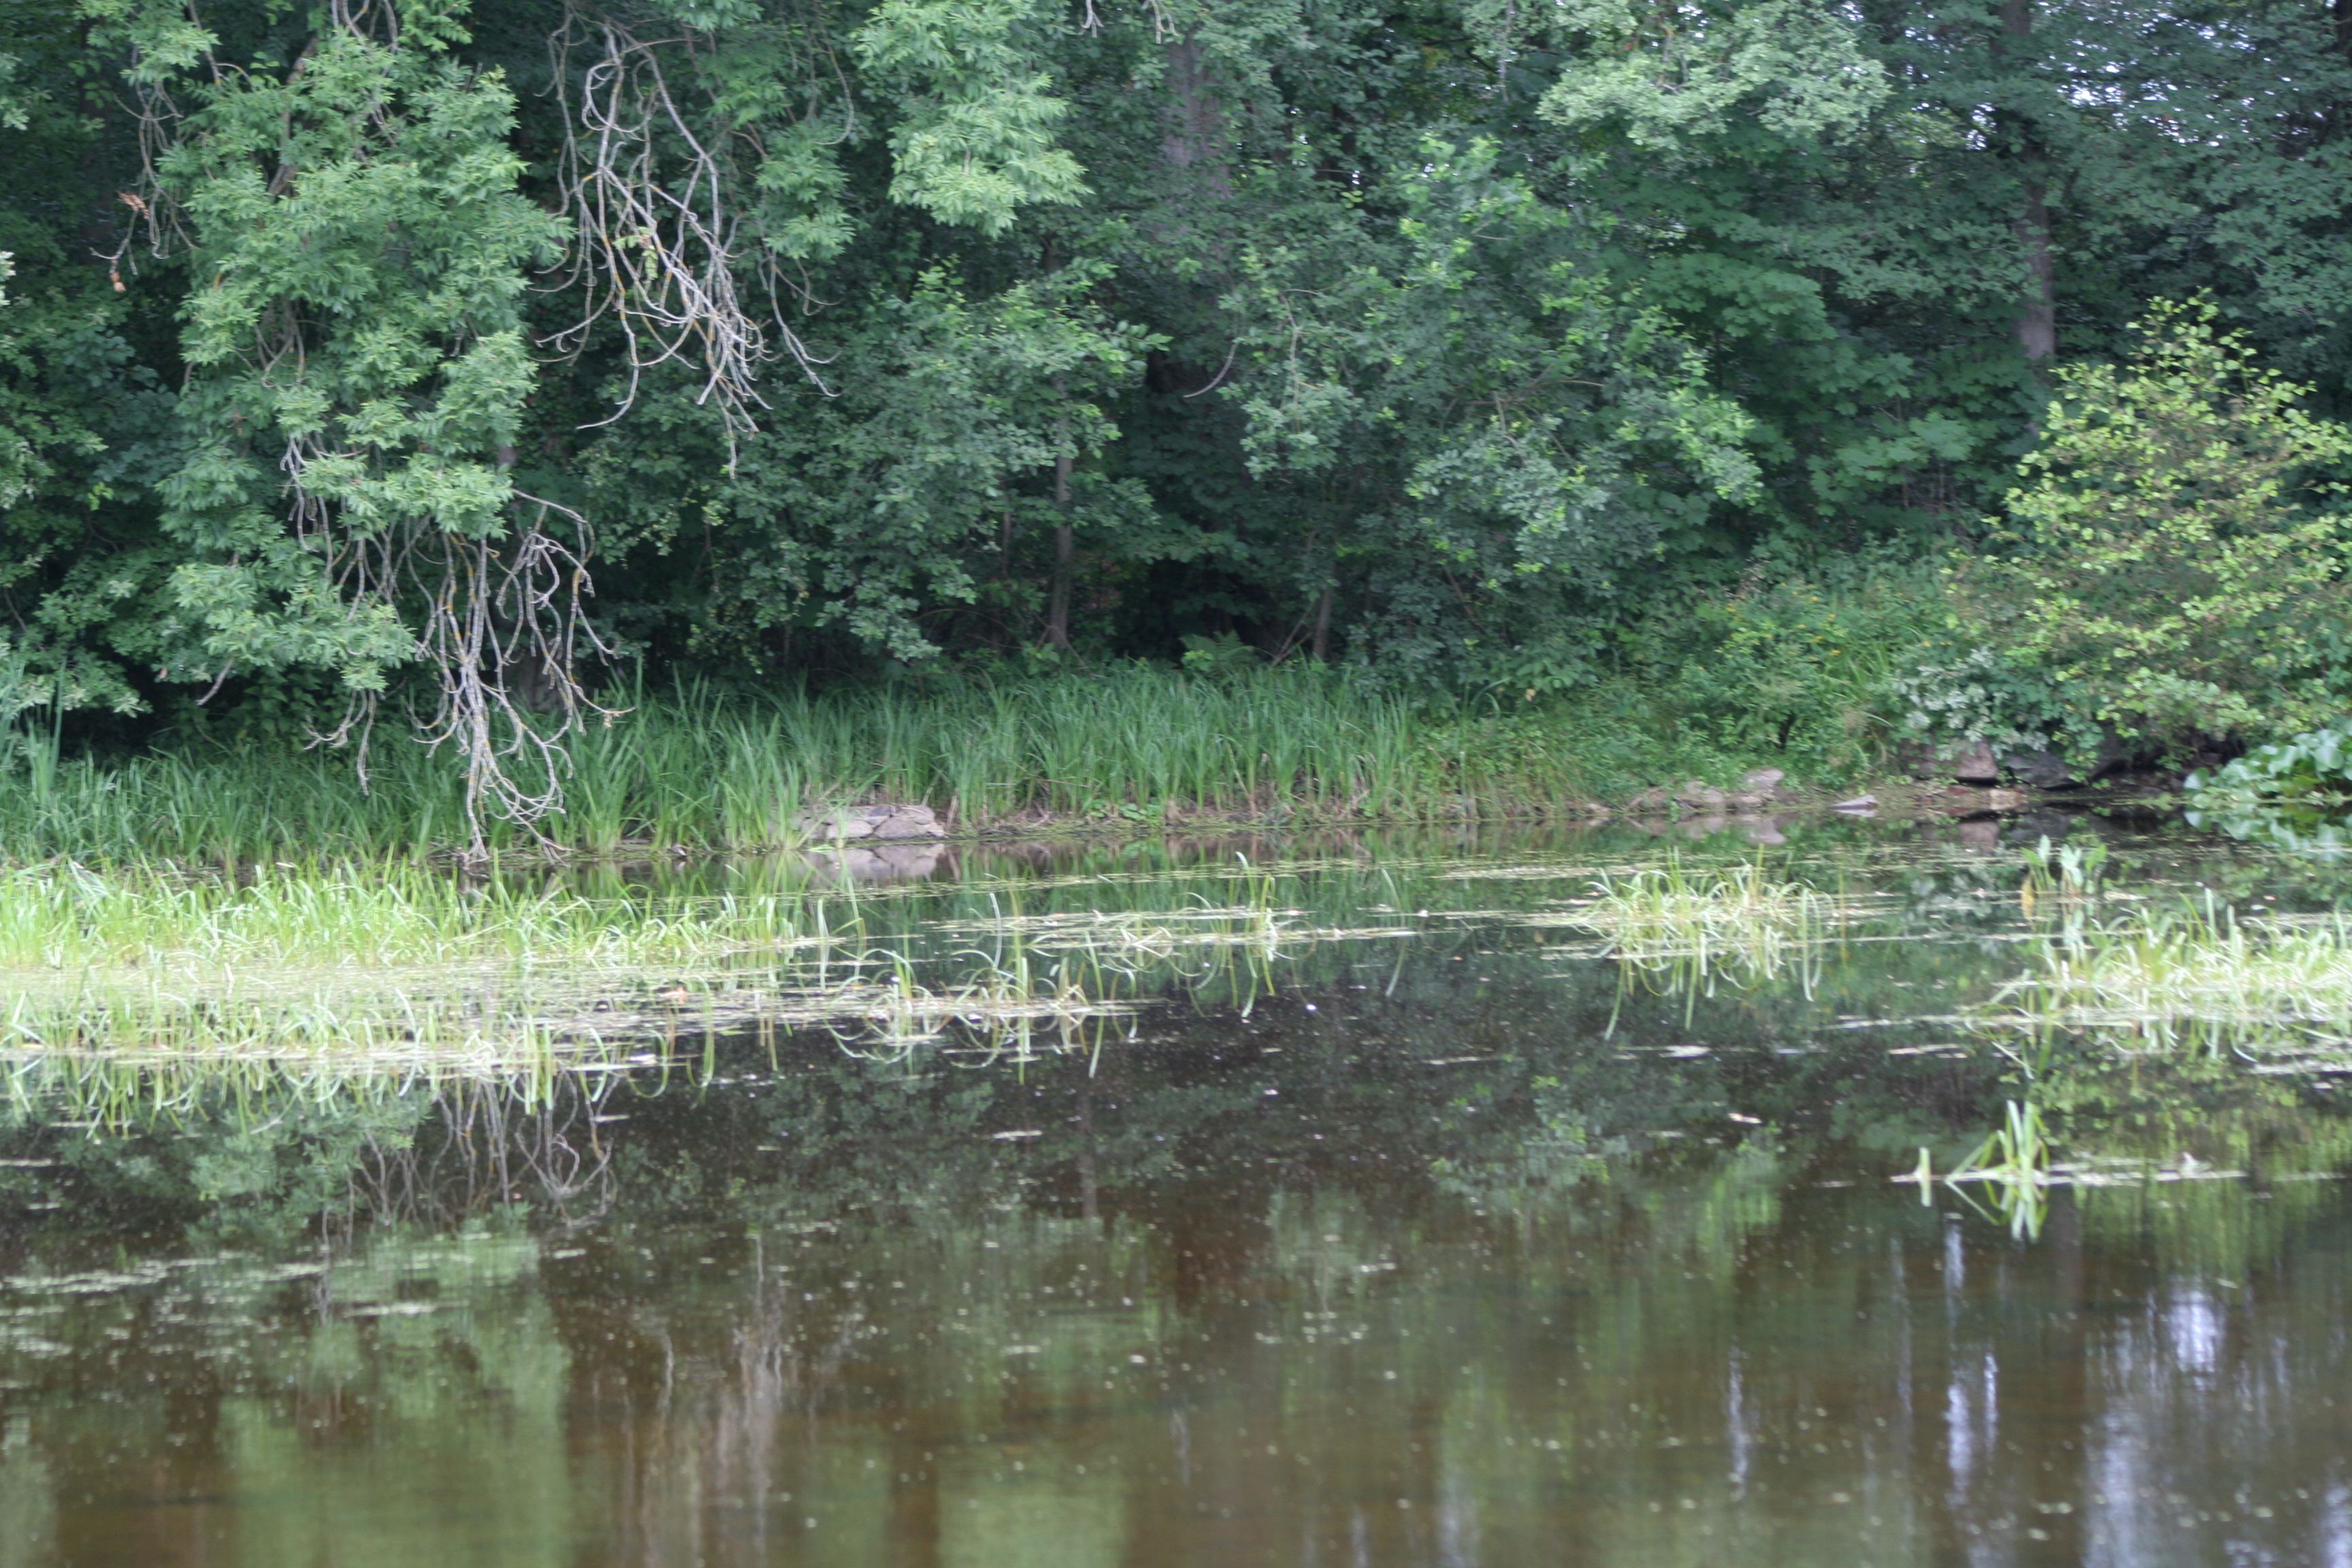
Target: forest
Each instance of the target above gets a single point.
(1704, 383)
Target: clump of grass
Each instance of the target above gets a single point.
(2014, 1164)
(2064, 874)
(174, 1042)
(1129, 938)
(1002, 1014)
(118, 1092)
(70, 917)
(1686, 929)
(2194, 975)
(2017, 1164)
(384, 972)
(505, 1023)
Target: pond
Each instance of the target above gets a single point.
(1369, 1201)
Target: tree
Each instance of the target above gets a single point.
(1453, 339)
(2173, 557)
(358, 366)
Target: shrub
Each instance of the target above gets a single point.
(2169, 556)
(2294, 795)
(1978, 696)
(2314, 770)
(1797, 670)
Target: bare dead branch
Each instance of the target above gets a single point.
(657, 247)
(504, 633)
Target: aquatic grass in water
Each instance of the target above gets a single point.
(1130, 935)
(72, 918)
(385, 972)
(117, 1092)
(1684, 930)
(2014, 1162)
(2017, 1164)
(497, 1026)
(2197, 976)
(396, 964)
(2064, 874)
(122, 1057)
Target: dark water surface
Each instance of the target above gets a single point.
(1443, 1249)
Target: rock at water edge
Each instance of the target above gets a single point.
(1976, 764)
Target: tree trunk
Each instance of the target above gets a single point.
(2037, 317)
(1057, 597)
(1193, 216)
(1321, 646)
(1196, 118)
(2338, 115)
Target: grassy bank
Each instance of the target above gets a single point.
(1134, 745)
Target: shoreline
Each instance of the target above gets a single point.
(1884, 800)
(1136, 752)
(1889, 801)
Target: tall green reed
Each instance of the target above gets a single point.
(692, 768)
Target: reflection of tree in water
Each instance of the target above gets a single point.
(852, 1295)
(486, 1145)
(810, 1285)
(700, 1406)
(265, 1151)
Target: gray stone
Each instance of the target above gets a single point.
(1700, 795)
(909, 822)
(1976, 764)
(1859, 803)
(2028, 826)
(831, 824)
(2041, 770)
(1765, 781)
(900, 862)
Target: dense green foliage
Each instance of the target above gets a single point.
(1643, 362)
(2292, 793)
(2313, 769)
(2164, 565)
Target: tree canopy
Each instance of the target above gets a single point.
(404, 348)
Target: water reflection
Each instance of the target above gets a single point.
(1446, 1251)
(882, 863)
(833, 1318)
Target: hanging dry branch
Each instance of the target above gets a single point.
(156, 214)
(504, 636)
(504, 632)
(655, 245)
